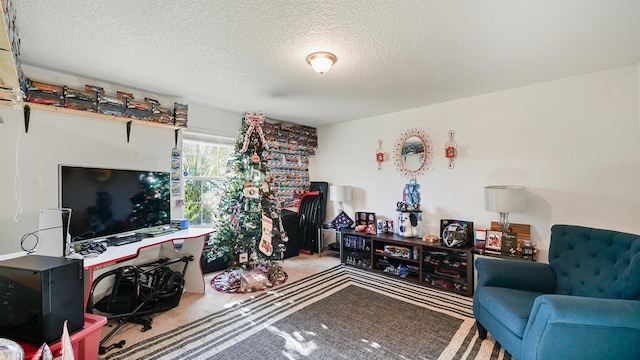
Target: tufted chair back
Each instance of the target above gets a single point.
(595, 263)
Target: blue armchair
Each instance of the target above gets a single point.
(584, 304)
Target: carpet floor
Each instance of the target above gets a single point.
(339, 313)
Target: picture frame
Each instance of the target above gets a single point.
(365, 218)
(509, 243)
(493, 241)
(480, 238)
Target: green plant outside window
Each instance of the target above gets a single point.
(204, 165)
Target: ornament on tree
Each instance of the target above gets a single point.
(251, 192)
(255, 158)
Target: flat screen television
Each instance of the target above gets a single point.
(109, 202)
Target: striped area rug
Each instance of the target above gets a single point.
(340, 313)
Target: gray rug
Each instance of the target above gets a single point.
(341, 313)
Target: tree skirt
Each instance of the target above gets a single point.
(239, 280)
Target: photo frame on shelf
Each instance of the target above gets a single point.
(365, 218)
(493, 241)
(509, 243)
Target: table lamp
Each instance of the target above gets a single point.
(340, 193)
(504, 199)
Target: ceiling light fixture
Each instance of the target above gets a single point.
(321, 61)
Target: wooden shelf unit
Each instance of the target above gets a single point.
(431, 264)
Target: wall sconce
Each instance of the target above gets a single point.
(450, 149)
(504, 199)
(321, 61)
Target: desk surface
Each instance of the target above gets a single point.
(123, 252)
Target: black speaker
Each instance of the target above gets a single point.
(37, 294)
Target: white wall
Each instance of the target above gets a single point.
(574, 144)
(55, 139)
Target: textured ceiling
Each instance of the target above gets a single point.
(392, 55)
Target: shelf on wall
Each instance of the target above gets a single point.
(89, 114)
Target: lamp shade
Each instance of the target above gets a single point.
(340, 193)
(504, 198)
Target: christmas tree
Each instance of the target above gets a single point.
(247, 220)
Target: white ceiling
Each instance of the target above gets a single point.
(250, 55)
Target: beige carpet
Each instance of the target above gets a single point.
(195, 306)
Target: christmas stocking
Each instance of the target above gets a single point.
(265, 241)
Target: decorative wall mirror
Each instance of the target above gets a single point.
(412, 153)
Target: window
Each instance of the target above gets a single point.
(204, 163)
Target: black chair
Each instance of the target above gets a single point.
(137, 291)
(323, 188)
(310, 212)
